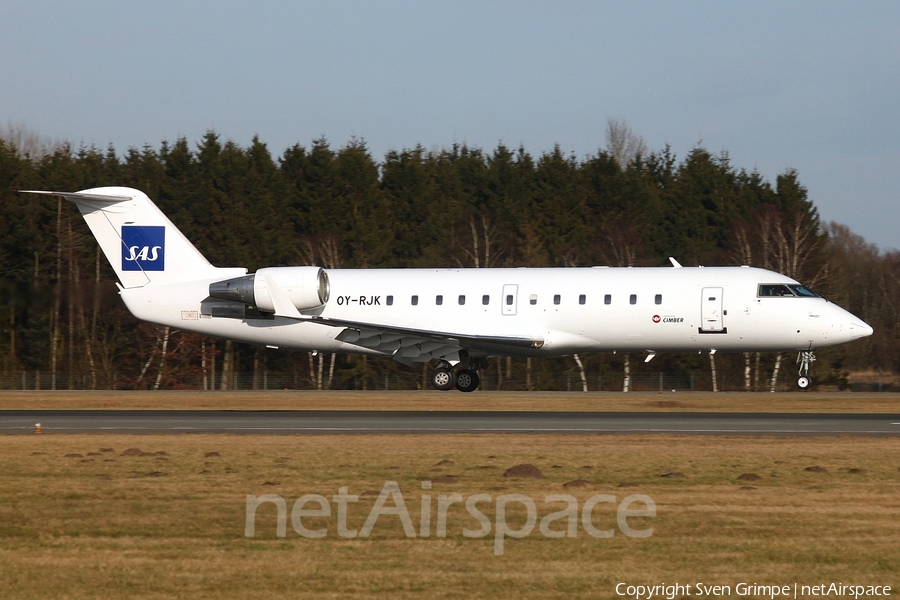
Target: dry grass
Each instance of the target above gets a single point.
(406, 400)
(108, 524)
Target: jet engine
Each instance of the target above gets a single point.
(306, 287)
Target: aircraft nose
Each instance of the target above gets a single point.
(848, 327)
(859, 329)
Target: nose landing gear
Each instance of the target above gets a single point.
(445, 378)
(805, 358)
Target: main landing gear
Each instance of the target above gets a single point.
(445, 378)
(805, 358)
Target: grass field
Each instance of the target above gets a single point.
(87, 516)
(402, 400)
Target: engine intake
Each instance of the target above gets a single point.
(306, 287)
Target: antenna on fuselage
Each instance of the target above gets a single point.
(675, 263)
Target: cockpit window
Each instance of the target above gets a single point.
(780, 290)
(774, 290)
(803, 291)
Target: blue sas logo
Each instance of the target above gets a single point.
(143, 248)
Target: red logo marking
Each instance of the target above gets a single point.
(656, 318)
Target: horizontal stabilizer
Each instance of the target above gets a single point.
(81, 196)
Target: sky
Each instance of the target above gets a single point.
(809, 85)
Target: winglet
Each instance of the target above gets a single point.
(675, 263)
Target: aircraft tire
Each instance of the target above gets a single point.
(443, 379)
(467, 380)
(804, 383)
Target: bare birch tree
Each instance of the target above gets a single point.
(483, 252)
(323, 251)
(788, 243)
(622, 143)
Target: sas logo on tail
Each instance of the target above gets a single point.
(143, 248)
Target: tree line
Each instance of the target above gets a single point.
(458, 206)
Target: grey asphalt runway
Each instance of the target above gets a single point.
(444, 422)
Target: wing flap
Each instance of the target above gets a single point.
(410, 346)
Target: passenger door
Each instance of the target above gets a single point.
(712, 311)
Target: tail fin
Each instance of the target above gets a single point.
(139, 241)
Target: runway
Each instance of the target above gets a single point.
(443, 422)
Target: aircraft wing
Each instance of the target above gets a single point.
(407, 345)
(411, 346)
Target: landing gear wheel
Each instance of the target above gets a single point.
(467, 380)
(443, 379)
(806, 358)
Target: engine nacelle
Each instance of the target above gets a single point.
(306, 287)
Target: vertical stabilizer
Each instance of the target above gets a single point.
(139, 241)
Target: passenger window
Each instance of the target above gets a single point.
(658, 299)
(439, 299)
(607, 299)
(389, 300)
(633, 299)
(485, 299)
(582, 299)
(415, 300)
(509, 300)
(532, 299)
(462, 300)
(556, 299)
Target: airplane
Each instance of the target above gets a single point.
(458, 317)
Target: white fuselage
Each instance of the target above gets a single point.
(570, 309)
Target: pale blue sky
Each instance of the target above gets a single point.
(809, 85)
